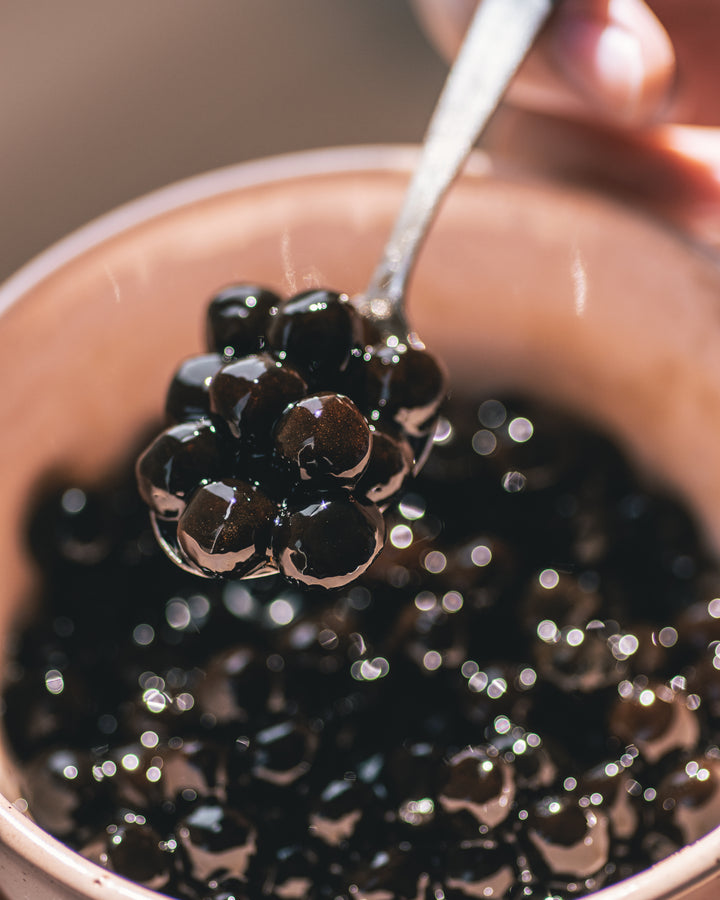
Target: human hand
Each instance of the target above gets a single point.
(621, 93)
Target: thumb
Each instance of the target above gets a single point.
(610, 60)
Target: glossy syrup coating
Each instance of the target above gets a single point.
(295, 390)
(328, 540)
(324, 438)
(237, 319)
(251, 394)
(403, 384)
(176, 463)
(398, 736)
(391, 461)
(316, 332)
(225, 529)
(187, 396)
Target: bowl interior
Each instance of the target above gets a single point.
(522, 286)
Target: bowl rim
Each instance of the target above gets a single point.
(684, 870)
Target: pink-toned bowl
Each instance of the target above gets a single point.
(522, 285)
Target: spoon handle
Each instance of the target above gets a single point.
(497, 41)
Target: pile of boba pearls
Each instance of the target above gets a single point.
(519, 699)
(287, 438)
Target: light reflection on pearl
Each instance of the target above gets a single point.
(401, 537)
(435, 562)
(54, 681)
(484, 442)
(492, 413)
(549, 579)
(481, 555)
(520, 430)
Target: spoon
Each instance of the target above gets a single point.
(499, 37)
(497, 41)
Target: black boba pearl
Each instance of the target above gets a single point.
(74, 526)
(283, 751)
(293, 873)
(237, 319)
(405, 385)
(654, 718)
(578, 658)
(324, 437)
(569, 840)
(564, 602)
(396, 872)
(225, 528)
(219, 840)
(228, 889)
(176, 462)
(251, 394)
(134, 851)
(340, 811)
(479, 868)
(63, 789)
(688, 799)
(187, 396)
(480, 783)
(391, 460)
(237, 684)
(329, 540)
(194, 769)
(316, 331)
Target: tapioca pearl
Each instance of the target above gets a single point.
(580, 658)
(404, 385)
(284, 749)
(225, 529)
(316, 331)
(341, 809)
(294, 874)
(137, 851)
(324, 438)
(478, 869)
(571, 841)
(237, 684)
(413, 772)
(219, 842)
(655, 718)
(398, 871)
(559, 599)
(648, 648)
(532, 762)
(177, 461)
(251, 394)
(439, 636)
(703, 680)
(494, 691)
(188, 394)
(391, 461)
(327, 540)
(195, 768)
(698, 626)
(688, 798)
(60, 786)
(481, 567)
(477, 780)
(238, 317)
(227, 889)
(606, 785)
(73, 525)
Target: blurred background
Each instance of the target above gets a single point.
(101, 102)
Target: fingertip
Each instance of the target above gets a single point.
(445, 22)
(621, 61)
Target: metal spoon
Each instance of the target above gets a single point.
(499, 37)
